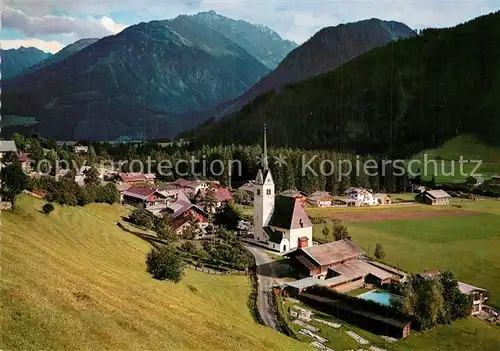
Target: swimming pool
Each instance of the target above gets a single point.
(380, 297)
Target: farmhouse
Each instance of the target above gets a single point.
(136, 178)
(6, 146)
(339, 265)
(382, 199)
(434, 197)
(81, 149)
(280, 222)
(359, 197)
(479, 295)
(221, 196)
(145, 198)
(185, 215)
(320, 199)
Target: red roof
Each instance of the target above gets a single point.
(221, 194)
(141, 191)
(23, 157)
(132, 177)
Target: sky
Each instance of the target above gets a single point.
(52, 24)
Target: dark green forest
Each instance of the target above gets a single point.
(395, 100)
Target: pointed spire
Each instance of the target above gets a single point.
(264, 157)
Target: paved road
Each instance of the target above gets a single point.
(265, 273)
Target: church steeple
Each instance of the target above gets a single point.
(264, 156)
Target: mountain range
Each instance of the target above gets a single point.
(328, 49)
(397, 99)
(16, 61)
(141, 81)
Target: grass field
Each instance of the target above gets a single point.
(465, 240)
(467, 146)
(74, 280)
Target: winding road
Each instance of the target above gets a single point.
(265, 278)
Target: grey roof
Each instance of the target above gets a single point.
(7, 145)
(437, 194)
(467, 288)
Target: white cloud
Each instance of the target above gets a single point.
(58, 25)
(110, 25)
(295, 20)
(47, 46)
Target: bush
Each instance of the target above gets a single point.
(165, 263)
(379, 252)
(47, 208)
(142, 218)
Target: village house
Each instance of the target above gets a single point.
(81, 149)
(280, 223)
(434, 197)
(359, 197)
(320, 199)
(382, 199)
(192, 187)
(222, 196)
(185, 215)
(340, 265)
(135, 178)
(25, 162)
(145, 198)
(7, 146)
(479, 295)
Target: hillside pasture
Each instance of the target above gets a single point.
(447, 169)
(74, 280)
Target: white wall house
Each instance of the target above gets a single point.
(360, 197)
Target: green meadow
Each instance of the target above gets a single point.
(465, 238)
(73, 280)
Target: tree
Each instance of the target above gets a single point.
(339, 230)
(141, 218)
(379, 252)
(109, 194)
(92, 176)
(165, 263)
(470, 181)
(13, 181)
(457, 305)
(84, 197)
(164, 230)
(241, 196)
(9, 157)
(326, 233)
(47, 208)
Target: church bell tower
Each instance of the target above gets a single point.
(263, 195)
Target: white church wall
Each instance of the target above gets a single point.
(295, 234)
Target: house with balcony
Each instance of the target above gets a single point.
(360, 197)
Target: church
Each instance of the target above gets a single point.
(280, 222)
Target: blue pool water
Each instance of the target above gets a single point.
(380, 297)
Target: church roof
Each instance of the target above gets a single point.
(275, 236)
(289, 214)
